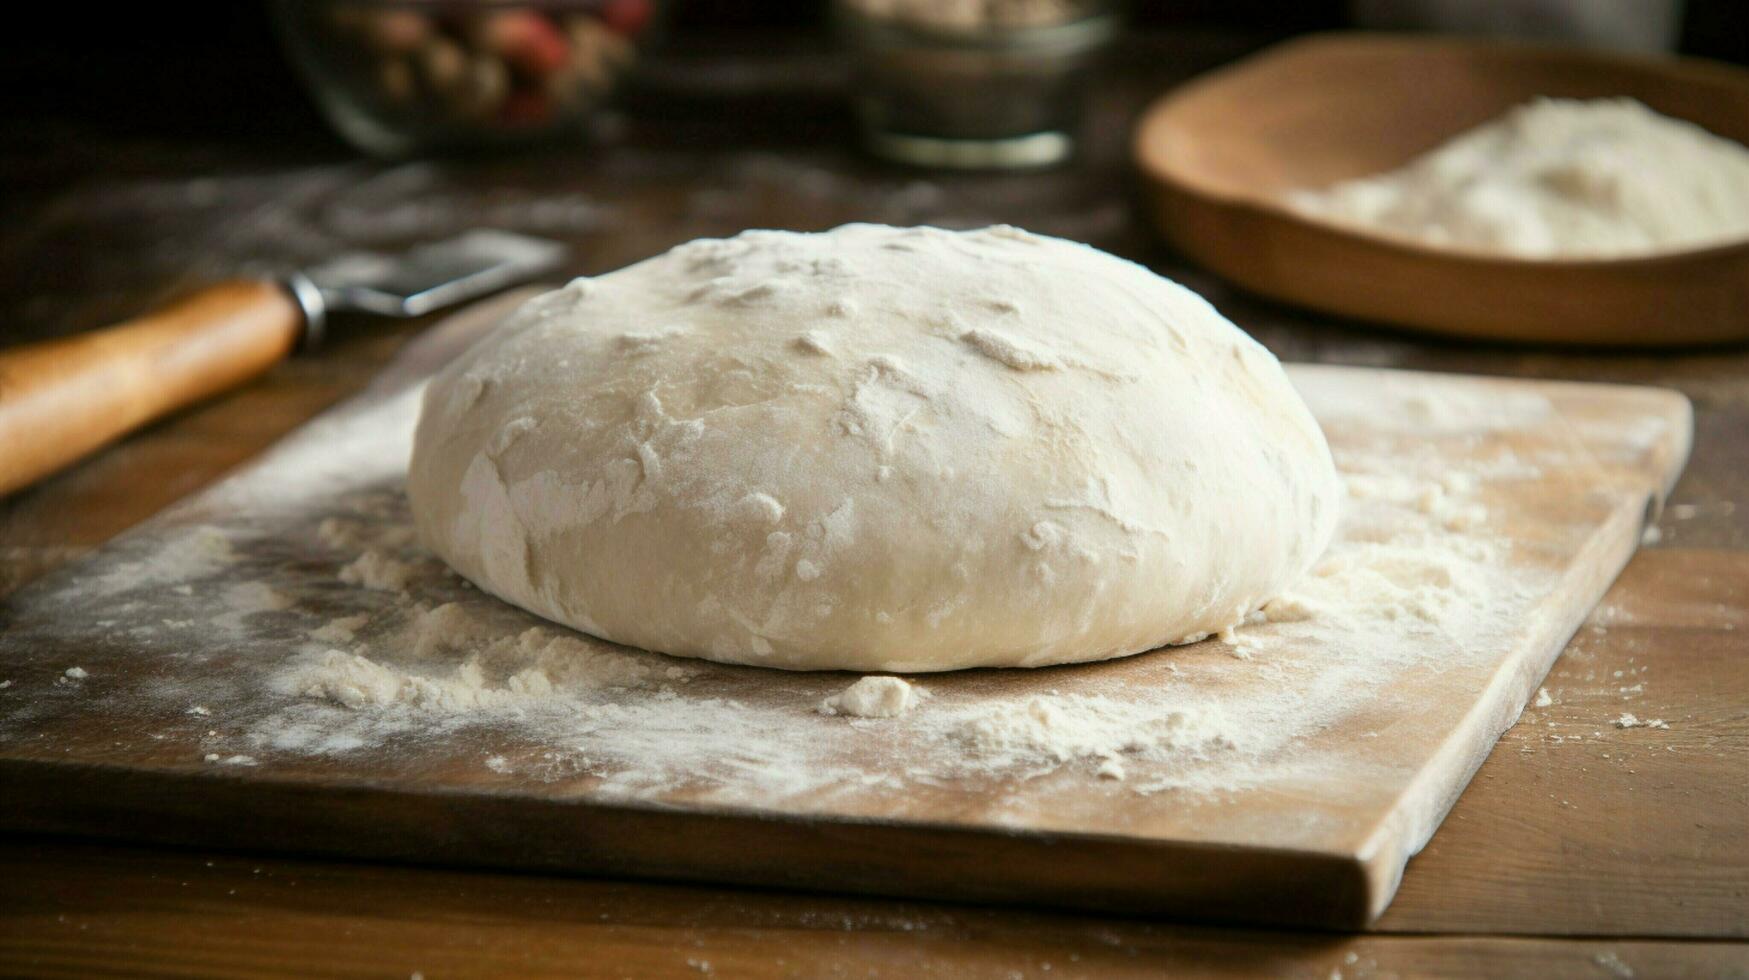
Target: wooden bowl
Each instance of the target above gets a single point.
(1217, 153)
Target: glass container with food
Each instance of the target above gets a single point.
(397, 76)
(972, 84)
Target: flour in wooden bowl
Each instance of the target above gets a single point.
(1557, 179)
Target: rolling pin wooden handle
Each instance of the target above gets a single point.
(63, 398)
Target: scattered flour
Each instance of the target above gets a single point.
(231, 760)
(193, 552)
(254, 597)
(374, 569)
(1627, 720)
(505, 672)
(1044, 732)
(1558, 178)
(1419, 407)
(1543, 699)
(353, 535)
(872, 697)
(240, 600)
(342, 629)
(1614, 965)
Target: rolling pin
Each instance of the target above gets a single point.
(65, 398)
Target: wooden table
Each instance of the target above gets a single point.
(1617, 852)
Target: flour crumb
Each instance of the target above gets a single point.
(1239, 645)
(446, 627)
(871, 697)
(498, 673)
(1613, 964)
(75, 673)
(375, 570)
(199, 710)
(498, 764)
(243, 598)
(340, 534)
(1542, 697)
(1055, 729)
(231, 760)
(348, 679)
(1627, 720)
(5, 684)
(1291, 608)
(342, 629)
(352, 534)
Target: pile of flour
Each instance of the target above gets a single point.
(1558, 178)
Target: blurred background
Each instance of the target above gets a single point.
(150, 147)
(217, 70)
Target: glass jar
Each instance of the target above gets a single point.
(972, 84)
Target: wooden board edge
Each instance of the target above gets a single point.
(1424, 803)
(104, 910)
(1191, 882)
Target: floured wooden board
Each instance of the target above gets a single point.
(276, 664)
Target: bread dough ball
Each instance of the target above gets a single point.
(874, 448)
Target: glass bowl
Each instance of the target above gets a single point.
(972, 84)
(399, 76)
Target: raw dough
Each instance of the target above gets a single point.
(875, 449)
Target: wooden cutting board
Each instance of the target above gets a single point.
(179, 724)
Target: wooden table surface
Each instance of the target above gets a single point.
(1580, 849)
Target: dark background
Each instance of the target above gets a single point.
(170, 69)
